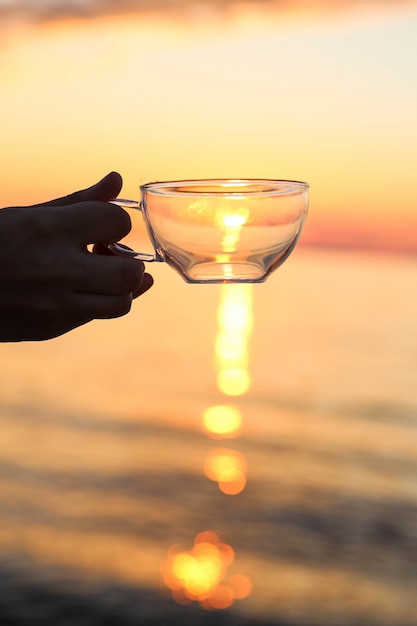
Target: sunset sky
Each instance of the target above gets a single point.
(312, 91)
(224, 444)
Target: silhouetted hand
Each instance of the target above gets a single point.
(50, 282)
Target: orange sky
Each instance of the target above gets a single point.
(331, 101)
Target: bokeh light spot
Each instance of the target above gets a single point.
(232, 482)
(222, 421)
(222, 598)
(242, 586)
(228, 468)
(233, 381)
(200, 574)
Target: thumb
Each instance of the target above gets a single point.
(107, 188)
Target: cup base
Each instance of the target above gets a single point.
(225, 273)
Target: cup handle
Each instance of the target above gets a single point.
(122, 250)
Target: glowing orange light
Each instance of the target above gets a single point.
(233, 381)
(207, 536)
(222, 421)
(227, 468)
(222, 598)
(234, 311)
(241, 585)
(200, 574)
(235, 321)
(232, 482)
(234, 221)
(231, 347)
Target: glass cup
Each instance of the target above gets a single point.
(220, 231)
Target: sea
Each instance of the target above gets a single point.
(221, 455)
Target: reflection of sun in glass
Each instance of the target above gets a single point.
(231, 221)
(234, 221)
(235, 320)
(222, 421)
(200, 574)
(228, 468)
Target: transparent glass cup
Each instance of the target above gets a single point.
(220, 231)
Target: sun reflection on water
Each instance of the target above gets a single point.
(228, 468)
(222, 421)
(201, 574)
(235, 322)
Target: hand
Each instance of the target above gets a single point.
(50, 283)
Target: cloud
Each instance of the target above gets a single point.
(49, 9)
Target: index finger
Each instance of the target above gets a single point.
(107, 188)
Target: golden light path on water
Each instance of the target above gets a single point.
(222, 421)
(102, 473)
(200, 574)
(228, 468)
(235, 322)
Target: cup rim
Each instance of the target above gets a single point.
(174, 187)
